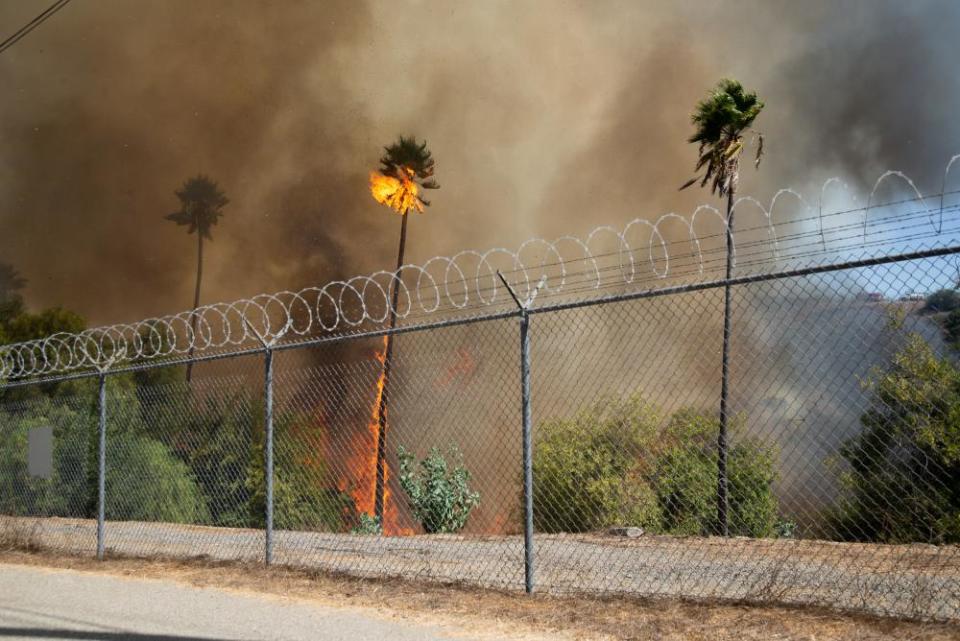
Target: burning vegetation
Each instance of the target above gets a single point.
(360, 481)
(405, 170)
(399, 194)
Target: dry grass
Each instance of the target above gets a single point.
(19, 535)
(500, 615)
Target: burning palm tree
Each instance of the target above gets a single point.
(405, 170)
(201, 206)
(721, 120)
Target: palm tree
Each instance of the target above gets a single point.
(11, 303)
(11, 282)
(201, 206)
(721, 120)
(406, 168)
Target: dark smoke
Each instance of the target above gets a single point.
(545, 118)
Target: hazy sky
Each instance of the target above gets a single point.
(544, 118)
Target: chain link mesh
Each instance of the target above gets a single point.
(842, 450)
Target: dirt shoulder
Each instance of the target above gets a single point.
(499, 615)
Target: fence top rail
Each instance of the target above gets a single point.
(640, 259)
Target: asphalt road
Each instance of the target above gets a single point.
(37, 603)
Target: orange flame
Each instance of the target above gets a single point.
(400, 194)
(363, 465)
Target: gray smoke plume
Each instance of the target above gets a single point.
(545, 118)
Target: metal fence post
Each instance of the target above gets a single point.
(268, 434)
(268, 454)
(527, 420)
(101, 465)
(527, 452)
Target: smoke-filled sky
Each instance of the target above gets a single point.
(545, 118)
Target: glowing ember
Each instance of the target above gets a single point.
(400, 194)
(461, 370)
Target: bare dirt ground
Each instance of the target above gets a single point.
(916, 581)
(496, 614)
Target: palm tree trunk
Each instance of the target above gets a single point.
(723, 500)
(387, 359)
(196, 304)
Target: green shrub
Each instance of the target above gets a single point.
(902, 482)
(145, 482)
(367, 525)
(617, 463)
(686, 489)
(66, 492)
(586, 472)
(219, 433)
(951, 327)
(440, 497)
(686, 479)
(945, 300)
(304, 497)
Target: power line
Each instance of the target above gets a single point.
(33, 24)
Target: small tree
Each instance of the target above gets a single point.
(440, 497)
(903, 480)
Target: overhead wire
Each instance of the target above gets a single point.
(20, 33)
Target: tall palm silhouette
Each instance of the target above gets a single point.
(721, 120)
(201, 206)
(11, 282)
(406, 168)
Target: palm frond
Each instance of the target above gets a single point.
(720, 121)
(407, 153)
(201, 205)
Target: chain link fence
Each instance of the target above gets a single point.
(840, 458)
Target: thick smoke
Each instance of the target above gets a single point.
(544, 119)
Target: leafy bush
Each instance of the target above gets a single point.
(212, 436)
(903, 478)
(304, 497)
(173, 454)
(617, 463)
(145, 482)
(440, 497)
(945, 300)
(66, 492)
(951, 327)
(220, 438)
(367, 525)
(586, 472)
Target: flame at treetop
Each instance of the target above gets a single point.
(399, 194)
